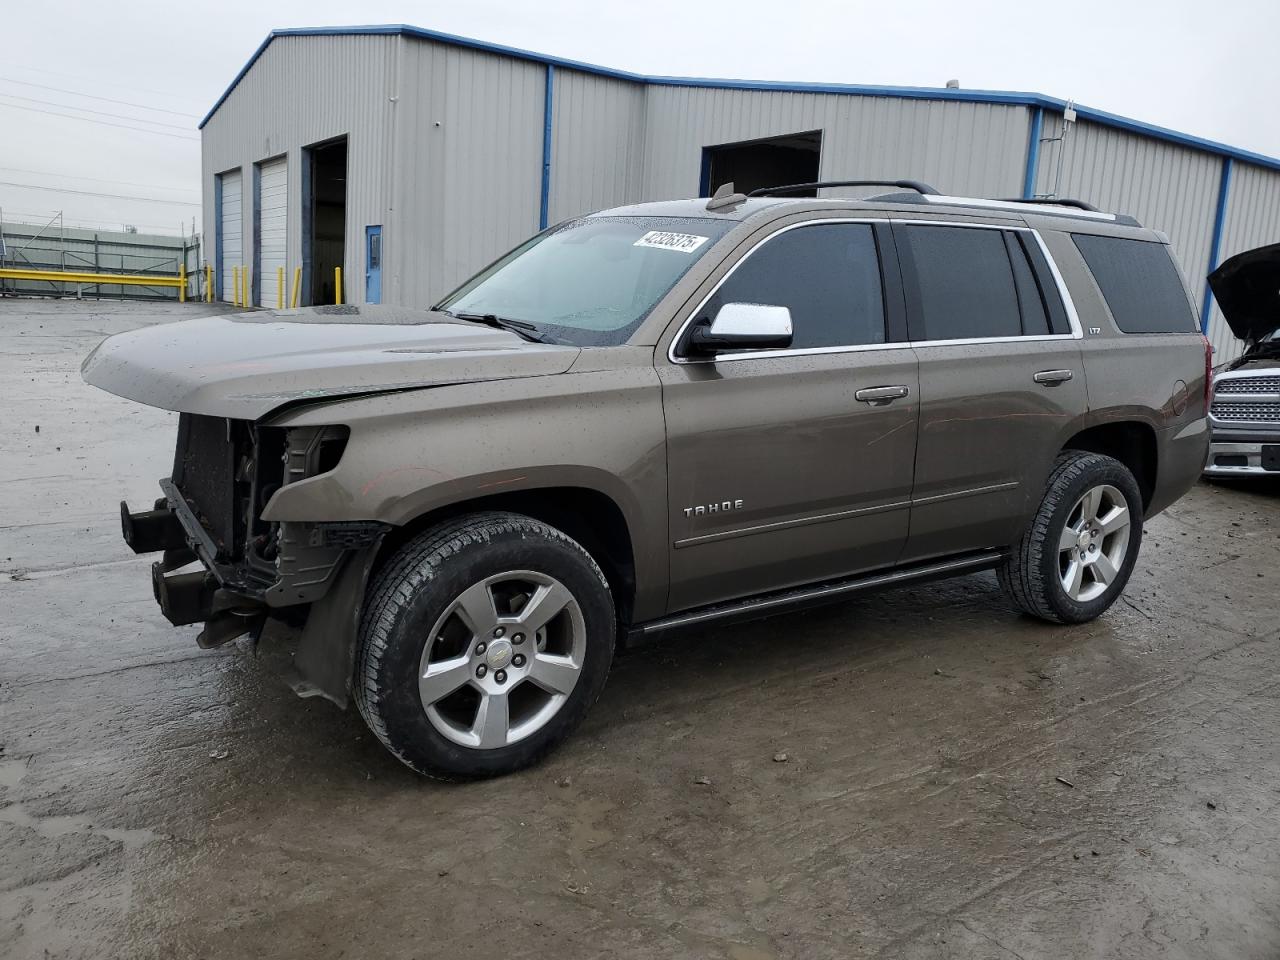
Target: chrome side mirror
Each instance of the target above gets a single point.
(742, 325)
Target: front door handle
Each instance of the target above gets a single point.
(880, 395)
(1050, 377)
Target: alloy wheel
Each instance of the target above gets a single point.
(502, 659)
(1094, 543)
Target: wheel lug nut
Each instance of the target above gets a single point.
(481, 648)
(518, 638)
(481, 670)
(501, 676)
(518, 660)
(498, 632)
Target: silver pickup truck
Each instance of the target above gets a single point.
(1245, 413)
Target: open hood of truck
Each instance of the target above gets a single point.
(246, 365)
(1247, 288)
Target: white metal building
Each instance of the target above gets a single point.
(412, 158)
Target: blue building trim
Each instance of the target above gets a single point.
(905, 93)
(1215, 248)
(1033, 153)
(704, 174)
(217, 237)
(548, 115)
(254, 292)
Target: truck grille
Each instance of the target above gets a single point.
(1248, 385)
(1264, 411)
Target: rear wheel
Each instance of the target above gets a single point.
(1076, 557)
(485, 642)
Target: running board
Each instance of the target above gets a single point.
(811, 596)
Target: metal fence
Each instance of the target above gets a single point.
(53, 246)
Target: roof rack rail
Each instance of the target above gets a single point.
(916, 185)
(1061, 202)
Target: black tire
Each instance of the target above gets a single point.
(1030, 577)
(415, 588)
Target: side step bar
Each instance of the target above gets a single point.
(816, 594)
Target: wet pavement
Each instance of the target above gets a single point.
(959, 781)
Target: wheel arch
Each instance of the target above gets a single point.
(1132, 442)
(587, 514)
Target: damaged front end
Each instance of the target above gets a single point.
(225, 473)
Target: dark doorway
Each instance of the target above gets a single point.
(771, 162)
(324, 226)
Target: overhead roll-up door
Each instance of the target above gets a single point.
(273, 201)
(231, 250)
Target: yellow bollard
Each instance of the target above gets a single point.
(208, 283)
(246, 288)
(235, 286)
(279, 288)
(337, 284)
(297, 286)
(182, 290)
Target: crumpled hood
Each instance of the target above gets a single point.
(1247, 288)
(246, 365)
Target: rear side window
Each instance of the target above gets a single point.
(827, 275)
(964, 284)
(1140, 284)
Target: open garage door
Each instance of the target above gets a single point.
(272, 207)
(230, 248)
(771, 162)
(324, 219)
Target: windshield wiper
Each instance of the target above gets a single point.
(519, 327)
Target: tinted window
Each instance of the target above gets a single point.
(1049, 295)
(1140, 284)
(965, 284)
(1035, 318)
(828, 275)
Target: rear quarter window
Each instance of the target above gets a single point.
(1140, 283)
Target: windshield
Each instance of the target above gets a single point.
(588, 282)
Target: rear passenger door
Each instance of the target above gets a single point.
(1001, 377)
(781, 468)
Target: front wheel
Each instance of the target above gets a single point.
(1076, 557)
(485, 642)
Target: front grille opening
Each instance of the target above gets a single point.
(1263, 384)
(330, 452)
(1231, 460)
(1260, 412)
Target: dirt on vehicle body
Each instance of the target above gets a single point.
(662, 415)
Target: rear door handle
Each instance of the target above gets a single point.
(879, 395)
(1050, 377)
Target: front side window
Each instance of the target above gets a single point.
(1140, 284)
(964, 284)
(588, 282)
(827, 275)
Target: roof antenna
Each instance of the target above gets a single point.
(725, 197)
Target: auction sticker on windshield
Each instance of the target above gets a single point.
(683, 242)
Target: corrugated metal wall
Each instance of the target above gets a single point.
(1253, 220)
(445, 151)
(1167, 187)
(963, 148)
(303, 90)
(597, 153)
(469, 172)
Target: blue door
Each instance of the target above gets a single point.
(373, 264)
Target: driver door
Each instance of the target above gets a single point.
(789, 466)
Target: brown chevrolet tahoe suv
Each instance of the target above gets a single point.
(659, 416)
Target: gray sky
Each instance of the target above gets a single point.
(1208, 69)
